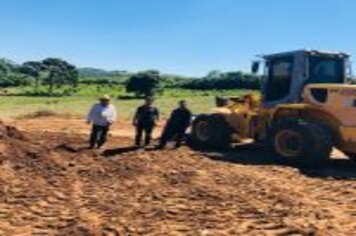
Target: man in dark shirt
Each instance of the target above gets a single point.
(176, 125)
(145, 120)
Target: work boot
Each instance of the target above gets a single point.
(159, 147)
(101, 147)
(138, 146)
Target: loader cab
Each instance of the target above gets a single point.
(286, 74)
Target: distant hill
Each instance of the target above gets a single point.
(94, 72)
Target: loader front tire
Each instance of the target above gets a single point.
(211, 131)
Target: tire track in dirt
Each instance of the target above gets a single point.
(237, 202)
(327, 206)
(326, 201)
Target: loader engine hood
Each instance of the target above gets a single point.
(337, 99)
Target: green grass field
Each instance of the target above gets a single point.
(13, 106)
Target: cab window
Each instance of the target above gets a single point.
(326, 70)
(280, 73)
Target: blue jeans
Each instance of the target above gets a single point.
(98, 135)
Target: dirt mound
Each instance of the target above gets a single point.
(10, 132)
(44, 114)
(50, 184)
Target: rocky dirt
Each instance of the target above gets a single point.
(50, 184)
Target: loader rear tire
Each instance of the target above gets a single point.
(301, 143)
(211, 131)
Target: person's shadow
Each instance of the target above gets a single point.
(118, 151)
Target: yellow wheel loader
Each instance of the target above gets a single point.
(305, 109)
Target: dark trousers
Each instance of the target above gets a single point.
(98, 135)
(172, 132)
(146, 129)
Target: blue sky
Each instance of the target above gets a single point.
(189, 37)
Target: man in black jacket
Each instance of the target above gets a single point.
(145, 120)
(176, 125)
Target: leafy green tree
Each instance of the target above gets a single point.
(215, 74)
(10, 74)
(55, 73)
(59, 72)
(145, 83)
(33, 69)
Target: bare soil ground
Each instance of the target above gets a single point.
(50, 184)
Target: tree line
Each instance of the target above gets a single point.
(148, 83)
(51, 72)
(228, 80)
(54, 73)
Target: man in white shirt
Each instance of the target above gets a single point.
(102, 115)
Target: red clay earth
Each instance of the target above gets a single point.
(50, 184)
